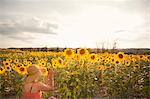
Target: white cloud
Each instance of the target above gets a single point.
(34, 25)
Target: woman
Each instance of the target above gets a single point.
(32, 86)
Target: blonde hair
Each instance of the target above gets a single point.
(33, 73)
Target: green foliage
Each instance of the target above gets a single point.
(77, 81)
(11, 84)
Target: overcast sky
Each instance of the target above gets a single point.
(75, 23)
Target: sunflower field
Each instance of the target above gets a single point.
(79, 74)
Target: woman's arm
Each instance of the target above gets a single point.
(44, 87)
(49, 79)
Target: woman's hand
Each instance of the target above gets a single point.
(50, 77)
(50, 72)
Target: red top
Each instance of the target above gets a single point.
(29, 95)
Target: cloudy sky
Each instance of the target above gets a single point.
(75, 23)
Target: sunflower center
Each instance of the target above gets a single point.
(21, 69)
(82, 51)
(60, 61)
(120, 56)
(117, 62)
(92, 57)
(7, 67)
(69, 52)
(16, 60)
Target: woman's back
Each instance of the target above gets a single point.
(31, 91)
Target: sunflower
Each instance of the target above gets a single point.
(127, 62)
(29, 63)
(76, 57)
(59, 62)
(117, 61)
(93, 57)
(16, 61)
(42, 63)
(2, 70)
(148, 58)
(6, 63)
(82, 52)
(120, 55)
(8, 68)
(31, 58)
(141, 57)
(54, 63)
(69, 53)
(22, 70)
(112, 60)
(101, 58)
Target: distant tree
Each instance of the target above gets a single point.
(114, 47)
